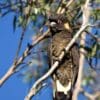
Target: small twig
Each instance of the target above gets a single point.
(20, 43)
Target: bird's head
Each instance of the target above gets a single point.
(59, 23)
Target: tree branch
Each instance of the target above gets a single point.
(86, 15)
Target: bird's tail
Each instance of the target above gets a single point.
(62, 92)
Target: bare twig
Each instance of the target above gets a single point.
(20, 43)
(86, 15)
(34, 90)
(27, 12)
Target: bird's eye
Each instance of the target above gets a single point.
(53, 24)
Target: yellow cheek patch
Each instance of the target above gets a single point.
(66, 25)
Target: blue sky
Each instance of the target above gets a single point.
(14, 88)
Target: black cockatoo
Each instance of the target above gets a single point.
(65, 75)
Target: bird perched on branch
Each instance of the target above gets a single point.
(65, 75)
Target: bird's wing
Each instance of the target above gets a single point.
(75, 61)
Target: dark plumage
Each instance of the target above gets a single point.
(67, 71)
